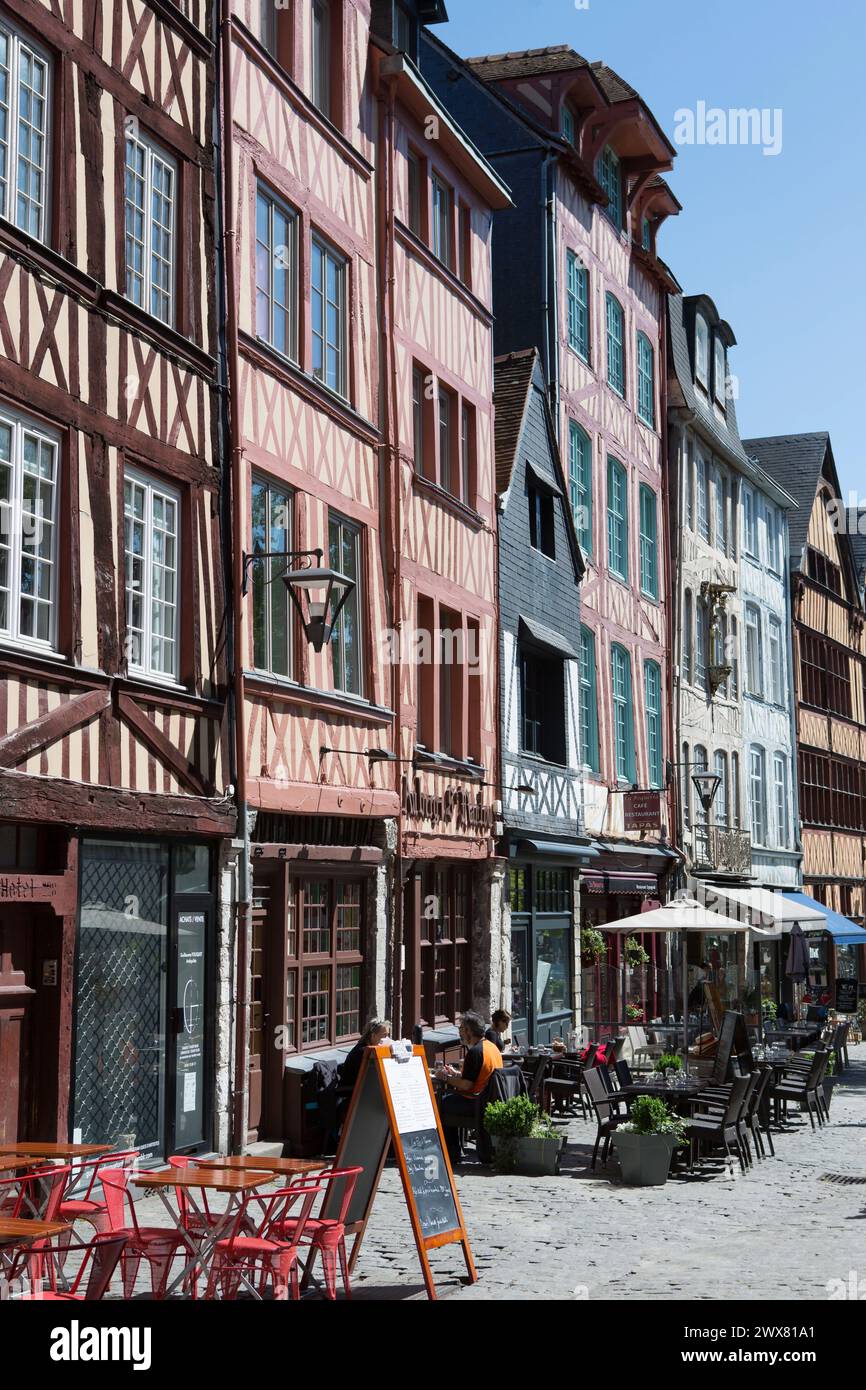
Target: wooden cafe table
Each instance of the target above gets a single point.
(31, 1149)
(18, 1230)
(236, 1185)
(288, 1167)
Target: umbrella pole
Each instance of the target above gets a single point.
(685, 1004)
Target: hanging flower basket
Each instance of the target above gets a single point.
(593, 947)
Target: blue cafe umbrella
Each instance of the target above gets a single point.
(797, 967)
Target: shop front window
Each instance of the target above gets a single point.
(552, 971)
(446, 979)
(325, 960)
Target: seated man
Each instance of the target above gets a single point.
(499, 1022)
(482, 1059)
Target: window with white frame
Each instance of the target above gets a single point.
(720, 767)
(328, 308)
(719, 371)
(686, 784)
(780, 793)
(734, 658)
(736, 794)
(152, 543)
(702, 351)
(276, 273)
(777, 665)
(700, 646)
(750, 530)
(754, 653)
(25, 80)
(688, 636)
(344, 554)
(29, 467)
(758, 786)
(271, 532)
(702, 764)
(443, 204)
(772, 524)
(150, 202)
(720, 510)
(703, 499)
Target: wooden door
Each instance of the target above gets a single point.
(16, 995)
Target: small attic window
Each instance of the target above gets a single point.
(702, 351)
(566, 123)
(609, 175)
(719, 372)
(645, 234)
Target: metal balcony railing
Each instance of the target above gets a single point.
(722, 848)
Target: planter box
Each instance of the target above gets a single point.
(645, 1159)
(533, 1157)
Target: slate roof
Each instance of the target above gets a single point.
(512, 379)
(529, 62)
(857, 533)
(795, 461)
(613, 86)
(724, 433)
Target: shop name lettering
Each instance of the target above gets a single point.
(453, 806)
(24, 889)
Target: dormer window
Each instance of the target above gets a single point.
(609, 174)
(645, 234)
(702, 352)
(404, 30)
(719, 372)
(566, 123)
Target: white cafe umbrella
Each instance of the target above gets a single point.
(683, 914)
(768, 908)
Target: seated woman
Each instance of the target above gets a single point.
(499, 1022)
(375, 1032)
(482, 1059)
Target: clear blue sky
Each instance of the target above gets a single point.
(776, 240)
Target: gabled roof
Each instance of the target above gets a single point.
(613, 86)
(528, 62)
(512, 379)
(796, 461)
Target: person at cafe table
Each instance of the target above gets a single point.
(482, 1059)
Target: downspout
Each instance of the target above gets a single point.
(792, 688)
(551, 296)
(671, 587)
(236, 474)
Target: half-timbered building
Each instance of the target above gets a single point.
(829, 664)
(115, 798)
(577, 274)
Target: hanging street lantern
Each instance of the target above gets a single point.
(318, 593)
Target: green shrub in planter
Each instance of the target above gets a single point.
(646, 1144)
(524, 1139)
(669, 1061)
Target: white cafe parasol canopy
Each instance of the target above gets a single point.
(771, 910)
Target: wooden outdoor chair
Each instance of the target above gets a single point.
(611, 1110)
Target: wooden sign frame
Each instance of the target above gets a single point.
(373, 1065)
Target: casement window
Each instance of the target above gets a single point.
(825, 675)
(688, 487)
(271, 531)
(645, 380)
(446, 404)
(464, 267)
(25, 86)
(29, 479)
(320, 56)
(734, 659)
(609, 175)
(443, 203)
(617, 519)
(754, 653)
(415, 176)
(832, 791)
(423, 451)
(780, 796)
(703, 500)
(344, 554)
(152, 549)
(700, 646)
(721, 803)
(623, 714)
(686, 786)
(276, 273)
(649, 561)
(654, 738)
(777, 662)
(542, 706)
(588, 701)
(566, 123)
(702, 351)
(577, 290)
(452, 668)
(701, 764)
(150, 207)
(580, 483)
(771, 517)
(736, 793)
(445, 964)
(646, 234)
(268, 25)
(750, 529)
(719, 372)
(720, 511)
(468, 439)
(275, 30)
(823, 571)
(542, 531)
(615, 340)
(324, 942)
(328, 309)
(688, 636)
(758, 784)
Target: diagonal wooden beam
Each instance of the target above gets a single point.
(18, 745)
(160, 745)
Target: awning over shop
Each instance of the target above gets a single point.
(561, 849)
(596, 881)
(547, 638)
(843, 931)
(765, 908)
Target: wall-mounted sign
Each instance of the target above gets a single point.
(642, 810)
(56, 889)
(846, 996)
(49, 972)
(454, 807)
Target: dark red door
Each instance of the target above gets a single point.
(16, 995)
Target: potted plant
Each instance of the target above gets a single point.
(635, 955)
(669, 1061)
(634, 1013)
(770, 1010)
(645, 1146)
(593, 947)
(524, 1139)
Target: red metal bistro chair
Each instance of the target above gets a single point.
(157, 1244)
(265, 1255)
(86, 1206)
(37, 1193)
(101, 1255)
(327, 1235)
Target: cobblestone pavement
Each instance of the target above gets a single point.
(777, 1231)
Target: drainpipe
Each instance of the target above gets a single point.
(795, 746)
(550, 345)
(236, 475)
(672, 510)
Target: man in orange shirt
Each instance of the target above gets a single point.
(482, 1059)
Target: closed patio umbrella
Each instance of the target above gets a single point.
(797, 966)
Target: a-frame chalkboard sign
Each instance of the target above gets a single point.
(393, 1104)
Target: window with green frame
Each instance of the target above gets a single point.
(580, 483)
(653, 699)
(623, 714)
(588, 706)
(645, 234)
(566, 123)
(615, 353)
(577, 288)
(617, 519)
(645, 380)
(649, 549)
(609, 175)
